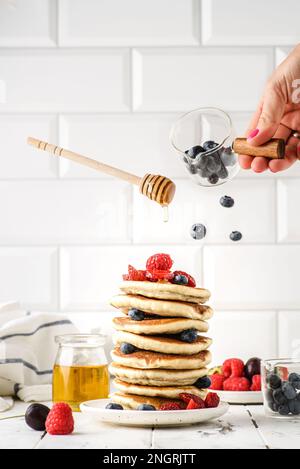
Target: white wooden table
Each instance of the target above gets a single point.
(241, 427)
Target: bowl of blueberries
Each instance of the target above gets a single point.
(281, 387)
(203, 139)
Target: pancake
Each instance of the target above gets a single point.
(159, 325)
(147, 359)
(168, 392)
(166, 291)
(163, 344)
(156, 377)
(131, 401)
(161, 307)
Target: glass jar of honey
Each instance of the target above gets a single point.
(80, 371)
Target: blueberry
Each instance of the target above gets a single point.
(127, 348)
(198, 231)
(223, 173)
(284, 409)
(227, 201)
(288, 391)
(213, 179)
(114, 406)
(294, 379)
(273, 406)
(194, 151)
(203, 383)
(180, 279)
(274, 381)
(146, 407)
(213, 163)
(209, 145)
(192, 168)
(279, 397)
(228, 157)
(202, 162)
(235, 236)
(190, 335)
(136, 314)
(294, 406)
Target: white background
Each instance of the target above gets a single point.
(108, 78)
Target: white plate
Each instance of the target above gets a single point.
(241, 397)
(150, 418)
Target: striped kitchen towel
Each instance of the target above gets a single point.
(27, 352)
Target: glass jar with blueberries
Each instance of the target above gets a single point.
(281, 388)
(203, 139)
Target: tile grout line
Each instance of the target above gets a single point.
(256, 426)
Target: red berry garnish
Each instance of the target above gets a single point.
(236, 384)
(134, 274)
(212, 400)
(187, 397)
(233, 367)
(195, 404)
(60, 420)
(217, 381)
(170, 406)
(156, 275)
(256, 383)
(191, 280)
(159, 262)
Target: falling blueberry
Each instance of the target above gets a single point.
(198, 231)
(194, 151)
(236, 236)
(227, 201)
(213, 179)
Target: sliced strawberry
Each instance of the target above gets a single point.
(134, 274)
(195, 405)
(186, 397)
(170, 406)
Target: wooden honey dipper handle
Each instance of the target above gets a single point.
(274, 148)
(84, 160)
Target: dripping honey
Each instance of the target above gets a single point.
(76, 384)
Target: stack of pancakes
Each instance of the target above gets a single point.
(163, 366)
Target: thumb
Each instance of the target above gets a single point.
(271, 114)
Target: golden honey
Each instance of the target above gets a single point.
(76, 384)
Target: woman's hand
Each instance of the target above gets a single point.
(278, 112)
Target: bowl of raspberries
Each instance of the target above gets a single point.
(238, 382)
(281, 388)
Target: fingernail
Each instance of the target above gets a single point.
(253, 134)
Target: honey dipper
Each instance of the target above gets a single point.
(155, 187)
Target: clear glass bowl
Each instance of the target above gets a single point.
(216, 165)
(281, 387)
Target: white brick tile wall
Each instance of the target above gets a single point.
(42, 212)
(233, 22)
(29, 274)
(30, 23)
(253, 276)
(111, 22)
(137, 144)
(243, 334)
(68, 81)
(108, 78)
(20, 160)
(91, 275)
(186, 78)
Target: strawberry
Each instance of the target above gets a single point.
(195, 404)
(156, 275)
(170, 406)
(256, 383)
(187, 397)
(212, 400)
(217, 381)
(236, 384)
(233, 368)
(134, 274)
(191, 280)
(159, 262)
(60, 420)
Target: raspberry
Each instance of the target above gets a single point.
(134, 274)
(191, 280)
(170, 406)
(155, 275)
(217, 381)
(187, 397)
(256, 383)
(212, 400)
(236, 384)
(199, 404)
(60, 420)
(159, 262)
(233, 368)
